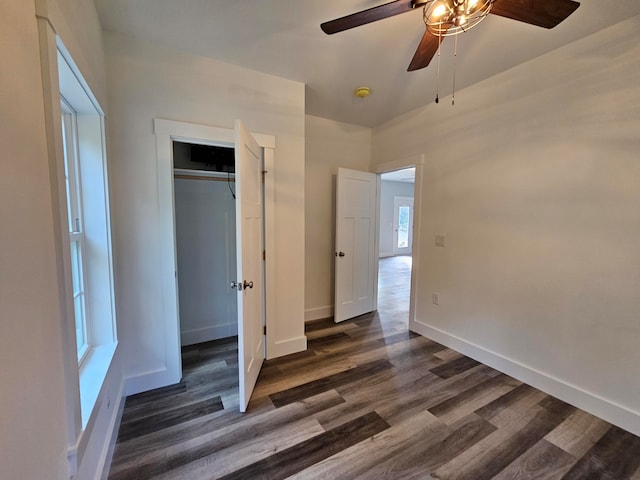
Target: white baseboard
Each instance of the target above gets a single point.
(318, 312)
(601, 407)
(143, 382)
(190, 337)
(286, 347)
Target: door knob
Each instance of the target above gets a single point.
(339, 254)
(246, 284)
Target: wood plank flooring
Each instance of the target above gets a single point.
(367, 400)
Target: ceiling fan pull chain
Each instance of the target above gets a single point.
(438, 72)
(455, 55)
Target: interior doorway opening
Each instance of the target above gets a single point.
(395, 253)
(205, 223)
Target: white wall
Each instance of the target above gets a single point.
(147, 82)
(39, 400)
(539, 205)
(329, 145)
(33, 420)
(389, 190)
(206, 249)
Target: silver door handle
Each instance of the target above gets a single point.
(236, 285)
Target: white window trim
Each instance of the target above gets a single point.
(86, 381)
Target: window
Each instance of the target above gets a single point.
(85, 226)
(403, 226)
(75, 221)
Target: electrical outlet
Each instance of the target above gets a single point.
(439, 240)
(435, 298)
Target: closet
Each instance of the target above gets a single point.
(204, 191)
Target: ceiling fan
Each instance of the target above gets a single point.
(451, 17)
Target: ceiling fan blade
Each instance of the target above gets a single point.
(542, 13)
(370, 15)
(424, 53)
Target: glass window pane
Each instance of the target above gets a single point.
(403, 226)
(78, 296)
(76, 268)
(81, 336)
(67, 173)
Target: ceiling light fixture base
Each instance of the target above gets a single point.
(362, 92)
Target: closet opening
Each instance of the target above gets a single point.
(205, 222)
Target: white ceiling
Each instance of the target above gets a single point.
(283, 38)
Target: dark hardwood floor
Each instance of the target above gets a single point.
(367, 400)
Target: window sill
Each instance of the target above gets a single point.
(92, 375)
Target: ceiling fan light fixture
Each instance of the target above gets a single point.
(450, 17)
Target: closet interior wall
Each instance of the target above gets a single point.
(206, 252)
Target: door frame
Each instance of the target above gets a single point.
(416, 161)
(168, 131)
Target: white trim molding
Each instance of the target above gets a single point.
(166, 132)
(291, 345)
(318, 313)
(616, 414)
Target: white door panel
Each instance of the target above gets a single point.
(249, 235)
(355, 261)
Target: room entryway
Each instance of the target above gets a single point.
(253, 268)
(205, 214)
(395, 247)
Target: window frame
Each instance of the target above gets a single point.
(76, 231)
(87, 144)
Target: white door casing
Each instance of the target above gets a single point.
(402, 231)
(355, 243)
(168, 370)
(249, 235)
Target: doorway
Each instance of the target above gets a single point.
(397, 190)
(252, 157)
(204, 199)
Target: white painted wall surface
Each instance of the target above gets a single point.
(389, 190)
(32, 400)
(147, 82)
(206, 249)
(37, 400)
(539, 205)
(329, 145)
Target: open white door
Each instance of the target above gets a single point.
(249, 229)
(355, 256)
